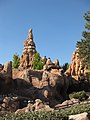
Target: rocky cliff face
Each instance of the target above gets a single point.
(46, 85)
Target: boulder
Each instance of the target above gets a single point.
(75, 101)
(67, 103)
(8, 69)
(37, 106)
(10, 104)
(6, 78)
(21, 111)
(82, 116)
(49, 65)
(25, 109)
(56, 62)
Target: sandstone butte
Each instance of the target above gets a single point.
(25, 89)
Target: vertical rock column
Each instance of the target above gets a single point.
(76, 68)
(28, 52)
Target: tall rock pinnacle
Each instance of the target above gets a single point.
(30, 34)
(28, 51)
(76, 68)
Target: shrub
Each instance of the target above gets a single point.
(16, 61)
(65, 66)
(61, 114)
(79, 95)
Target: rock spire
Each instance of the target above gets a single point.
(76, 68)
(28, 51)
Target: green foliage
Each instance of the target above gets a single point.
(61, 114)
(84, 44)
(16, 61)
(56, 115)
(79, 95)
(77, 109)
(87, 18)
(37, 62)
(65, 66)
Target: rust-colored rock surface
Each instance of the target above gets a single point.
(76, 68)
(28, 51)
(46, 85)
(6, 77)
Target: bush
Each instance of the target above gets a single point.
(37, 116)
(79, 95)
(16, 61)
(65, 66)
(37, 62)
(61, 114)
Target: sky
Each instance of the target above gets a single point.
(57, 26)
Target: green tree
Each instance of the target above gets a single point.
(84, 44)
(37, 62)
(65, 66)
(16, 61)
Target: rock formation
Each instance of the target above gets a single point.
(49, 65)
(76, 69)
(37, 106)
(10, 104)
(28, 52)
(49, 85)
(1, 67)
(6, 77)
(6, 72)
(82, 116)
(8, 69)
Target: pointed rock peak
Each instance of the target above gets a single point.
(30, 30)
(30, 34)
(28, 51)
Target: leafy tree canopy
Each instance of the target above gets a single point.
(84, 44)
